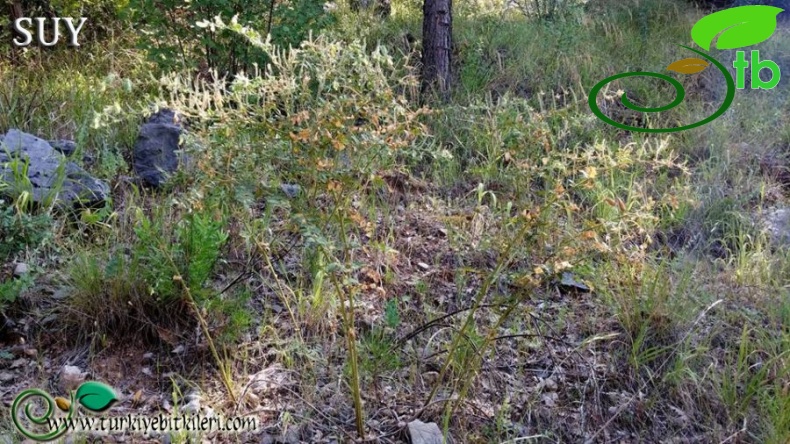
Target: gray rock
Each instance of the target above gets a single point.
(165, 116)
(192, 407)
(65, 147)
(776, 224)
(569, 282)
(290, 190)
(46, 168)
(155, 152)
(291, 436)
(425, 433)
(21, 269)
(71, 377)
(192, 396)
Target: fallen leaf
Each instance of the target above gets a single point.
(690, 65)
(138, 395)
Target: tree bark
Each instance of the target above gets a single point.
(14, 12)
(437, 43)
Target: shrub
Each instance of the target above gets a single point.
(323, 114)
(19, 230)
(173, 38)
(156, 279)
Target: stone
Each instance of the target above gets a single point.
(192, 396)
(776, 224)
(21, 269)
(46, 168)
(290, 190)
(192, 407)
(68, 148)
(425, 433)
(569, 282)
(65, 147)
(70, 378)
(157, 146)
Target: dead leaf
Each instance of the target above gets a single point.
(691, 65)
(137, 397)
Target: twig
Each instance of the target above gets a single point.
(400, 342)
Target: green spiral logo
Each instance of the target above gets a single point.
(24, 398)
(680, 94)
(731, 28)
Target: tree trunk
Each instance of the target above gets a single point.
(14, 12)
(437, 43)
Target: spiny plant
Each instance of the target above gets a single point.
(328, 116)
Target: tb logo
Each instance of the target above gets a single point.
(741, 65)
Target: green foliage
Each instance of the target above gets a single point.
(186, 252)
(391, 316)
(83, 8)
(172, 39)
(168, 264)
(548, 9)
(294, 20)
(376, 353)
(94, 110)
(11, 289)
(108, 291)
(332, 114)
(102, 15)
(21, 230)
(175, 33)
(725, 227)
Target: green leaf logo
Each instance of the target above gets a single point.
(736, 27)
(96, 396)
